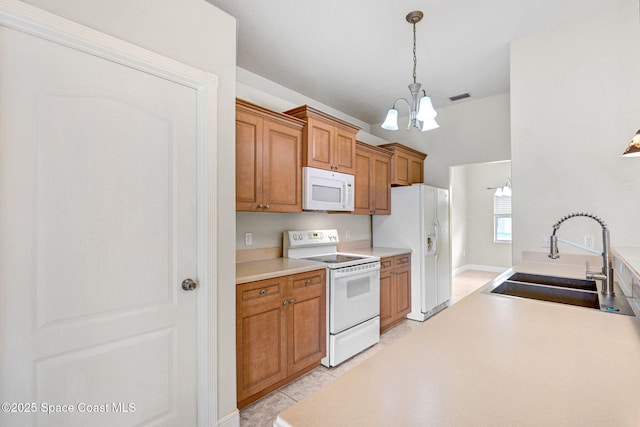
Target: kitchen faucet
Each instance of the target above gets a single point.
(607, 271)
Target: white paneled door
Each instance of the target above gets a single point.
(98, 174)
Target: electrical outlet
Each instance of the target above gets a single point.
(347, 234)
(588, 241)
(248, 239)
(545, 241)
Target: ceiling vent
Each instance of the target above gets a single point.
(459, 97)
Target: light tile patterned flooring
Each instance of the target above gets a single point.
(264, 411)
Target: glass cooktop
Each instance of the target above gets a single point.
(335, 258)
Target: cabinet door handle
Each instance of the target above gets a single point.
(285, 303)
(292, 301)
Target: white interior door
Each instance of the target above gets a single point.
(98, 230)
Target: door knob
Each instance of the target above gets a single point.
(189, 285)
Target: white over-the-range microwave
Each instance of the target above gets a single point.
(324, 190)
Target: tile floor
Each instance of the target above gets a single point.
(264, 411)
(468, 281)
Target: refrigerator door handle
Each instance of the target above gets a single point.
(436, 227)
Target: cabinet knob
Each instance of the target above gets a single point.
(268, 206)
(285, 303)
(260, 206)
(308, 282)
(292, 301)
(263, 291)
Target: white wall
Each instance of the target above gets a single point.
(458, 216)
(575, 104)
(267, 227)
(472, 212)
(481, 250)
(473, 131)
(195, 33)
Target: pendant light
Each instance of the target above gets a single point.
(421, 113)
(633, 149)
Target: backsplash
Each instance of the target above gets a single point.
(266, 228)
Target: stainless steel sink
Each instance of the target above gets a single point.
(562, 282)
(563, 290)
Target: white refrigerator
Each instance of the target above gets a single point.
(420, 220)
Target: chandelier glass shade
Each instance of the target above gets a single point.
(633, 149)
(422, 115)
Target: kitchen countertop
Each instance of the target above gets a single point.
(379, 252)
(493, 360)
(251, 271)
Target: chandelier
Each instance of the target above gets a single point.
(421, 113)
(633, 149)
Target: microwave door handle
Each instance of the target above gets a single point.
(345, 193)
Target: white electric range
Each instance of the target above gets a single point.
(353, 292)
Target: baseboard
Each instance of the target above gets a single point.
(230, 420)
(491, 268)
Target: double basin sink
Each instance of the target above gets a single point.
(563, 290)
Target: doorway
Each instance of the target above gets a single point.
(480, 224)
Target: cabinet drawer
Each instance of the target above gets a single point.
(386, 264)
(260, 292)
(402, 261)
(313, 282)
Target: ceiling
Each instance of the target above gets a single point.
(356, 56)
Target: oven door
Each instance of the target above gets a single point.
(354, 294)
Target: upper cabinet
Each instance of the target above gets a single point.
(268, 160)
(372, 181)
(407, 164)
(327, 142)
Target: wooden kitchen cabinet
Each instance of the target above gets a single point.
(395, 290)
(327, 142)
(407, 164)
(268, 160)
(280, 331)
(372, 180)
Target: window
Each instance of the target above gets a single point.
(502, 218)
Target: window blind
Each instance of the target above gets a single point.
(502, 205)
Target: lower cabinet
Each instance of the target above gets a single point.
(280, 331)
(395, 290)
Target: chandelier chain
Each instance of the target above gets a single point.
(415, 59)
